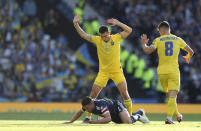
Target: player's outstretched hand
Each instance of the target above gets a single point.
(144, 39)
(187, 58)
(113, 21)
(68, 122)
(92, 122)
(76, 18)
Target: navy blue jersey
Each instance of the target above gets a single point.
(103, 106)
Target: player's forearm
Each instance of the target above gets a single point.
(102, 121)
(82, 33)
(77, 115)
(190, 52)
(147, 49)
(125, 27)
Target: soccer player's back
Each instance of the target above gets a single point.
(168, 48)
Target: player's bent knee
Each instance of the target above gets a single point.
(125, 117)
(172, 93)
(127, 121)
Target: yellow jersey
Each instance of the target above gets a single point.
(108, 53)
(168, 48)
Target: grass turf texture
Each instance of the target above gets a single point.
(53, 122)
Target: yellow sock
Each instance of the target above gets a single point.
(128, 104)
(172, 105)
(176, 111)
(88, 115)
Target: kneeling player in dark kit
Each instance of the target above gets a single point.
(109, 111)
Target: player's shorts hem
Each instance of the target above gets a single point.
(174, 90)
(95, 83)
(167, 90)
(170, 81)
(120, 82)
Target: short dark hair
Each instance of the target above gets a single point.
(103, 29)
(86, 100)
(164, 24)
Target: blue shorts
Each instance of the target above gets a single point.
(118, 107)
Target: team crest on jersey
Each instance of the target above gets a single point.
(112, 43)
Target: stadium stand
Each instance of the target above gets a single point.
(43, 59)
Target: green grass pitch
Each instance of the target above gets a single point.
(53, 122)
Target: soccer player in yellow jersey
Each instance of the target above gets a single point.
(108, 49)
(168, 48)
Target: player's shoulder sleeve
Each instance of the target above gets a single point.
(95, 39)
(118, 36)
(102, 106)
(182, 43)
(104, 109)
(155, 43)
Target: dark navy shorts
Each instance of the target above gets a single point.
(119, 107)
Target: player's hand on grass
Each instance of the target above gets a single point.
(68, 122)
(92, 122)
(187, 58)
(113, 22)
(144, 39)
(76, 18)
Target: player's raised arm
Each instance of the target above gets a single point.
(75, 117)
(127, 30)
(83, 34)
(147, 49)
(190, 53)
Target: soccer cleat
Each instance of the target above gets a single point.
(139, 112)
(134, 118)
(86, 120)
(142, 116)
(179, 118)
(169, 121)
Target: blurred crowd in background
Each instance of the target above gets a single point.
(38, 64)
(29, 56)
